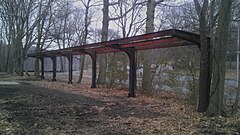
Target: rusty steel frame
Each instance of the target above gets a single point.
(130, 45)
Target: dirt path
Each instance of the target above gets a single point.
(43, 107)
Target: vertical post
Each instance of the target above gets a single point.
(132, 74)
(54, 61)
(131, 52)
(238, 52)
(94, 68)
(42, 67)
(70, 62)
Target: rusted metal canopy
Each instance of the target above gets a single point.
(161, 39)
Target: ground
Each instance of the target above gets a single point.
(43, 107)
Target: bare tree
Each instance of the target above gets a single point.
(43, 28)
(62, 31)
(129, 24)
(146, 59)
(205, 77)
(87, 21)
(236, 20)
(21, 21)
(105, 25)
(219, 54)
(102, 58)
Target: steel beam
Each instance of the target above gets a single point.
(94, 71)
(54, 70)
(70, 69)
(145, 45)
(131, 52)
(192, 37)
(164, 45)
(42, 67)
(94, 67)
(93, 56)
(142, 40)
(99, 45)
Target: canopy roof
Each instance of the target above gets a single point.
(160, 39)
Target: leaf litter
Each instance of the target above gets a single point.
(45, 107)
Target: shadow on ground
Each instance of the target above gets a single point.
(28, 109)
(36, 110)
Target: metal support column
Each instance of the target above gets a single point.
(131, 52)
(54, 61)
(94, 67)
(42, 67)
(70, 70)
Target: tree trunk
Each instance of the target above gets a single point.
(81, 68)
(146, 56)
(235, 105)
(38, 48)
(9, 66)
(103, 57)
(1, 56)
(82, 57)
(219, 56)
(125, 64)
(61, 63)
(36, 68)
(18, 56)
(10, 63)
(205, 74)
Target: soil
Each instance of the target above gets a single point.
(43, 107)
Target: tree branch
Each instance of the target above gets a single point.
(158, 2)
(197, 6)
(124, 14)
